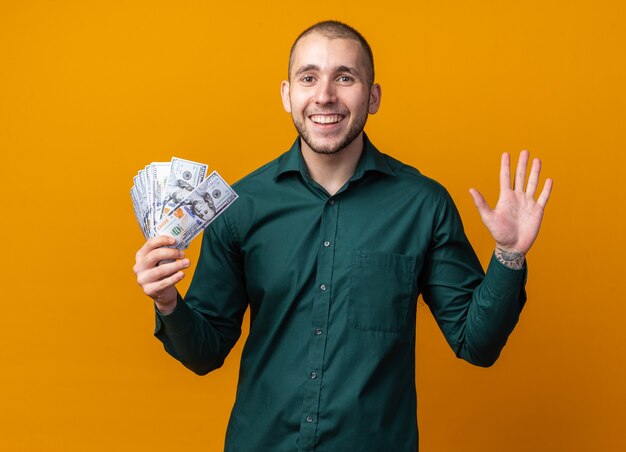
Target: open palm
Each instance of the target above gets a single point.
(516, 219)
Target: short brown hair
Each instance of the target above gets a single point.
(334, 29)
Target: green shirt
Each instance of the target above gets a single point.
(332, 284)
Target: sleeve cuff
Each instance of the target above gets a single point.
(503, 280)
(176, 323)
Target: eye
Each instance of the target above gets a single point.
(345, 79)
(308, 79)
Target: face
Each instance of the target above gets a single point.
(203, 210)
(328, 94)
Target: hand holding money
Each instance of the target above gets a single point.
(173, 204)
(158, 281)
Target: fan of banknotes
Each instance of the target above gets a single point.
(174, 198)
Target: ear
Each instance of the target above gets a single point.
(284, 93)
(375, 95)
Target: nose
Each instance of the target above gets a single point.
(326, 93)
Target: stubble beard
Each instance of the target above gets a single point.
(353, 131)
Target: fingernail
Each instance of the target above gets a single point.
(186, 262)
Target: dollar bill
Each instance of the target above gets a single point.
(184, 176)
(172, 198)
(156, 174)
(195, 212)
(161, 171)
(137, 208)
(140, 201)
(147, 180)
(145, 200)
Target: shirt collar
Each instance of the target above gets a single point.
(371, 160)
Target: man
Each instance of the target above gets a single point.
(330, 245)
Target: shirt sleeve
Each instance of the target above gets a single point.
(206, 323)
(475, 311)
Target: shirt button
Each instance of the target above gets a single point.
(323, 287)
(313, 375)
(309, 419)
(331, 201)
(318, 331)
(327, 243)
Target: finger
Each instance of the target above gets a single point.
(505, 172)
(483, 208)
(545, 193)
(520, 173)
(156, 289)
(533, 179)
(162, 254)
(153, 243)
(152, 275)
(151, 260)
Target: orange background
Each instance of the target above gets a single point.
(90, 92)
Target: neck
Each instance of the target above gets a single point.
(332, 171)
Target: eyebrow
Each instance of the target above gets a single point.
(313, 67)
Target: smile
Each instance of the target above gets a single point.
(326, 119)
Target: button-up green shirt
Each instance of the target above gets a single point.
(332, 284)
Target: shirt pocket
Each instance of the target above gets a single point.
(381, 290)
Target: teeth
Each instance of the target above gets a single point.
(326, 119)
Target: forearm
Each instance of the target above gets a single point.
(192, 339)
(493, 312)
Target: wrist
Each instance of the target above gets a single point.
(166, 307)
(510, 258)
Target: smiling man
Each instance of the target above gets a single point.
(321, 72)
(329, 246)
(329, 94)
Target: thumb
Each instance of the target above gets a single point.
(483, 208)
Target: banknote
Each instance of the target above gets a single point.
(160, 174)
(146, 200)
(140, 201)
(134, 196)
(195, 212)
(152, 180)
(184, 176)
(146, 182)
(173, 198)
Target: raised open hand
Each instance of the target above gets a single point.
(515, 221)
